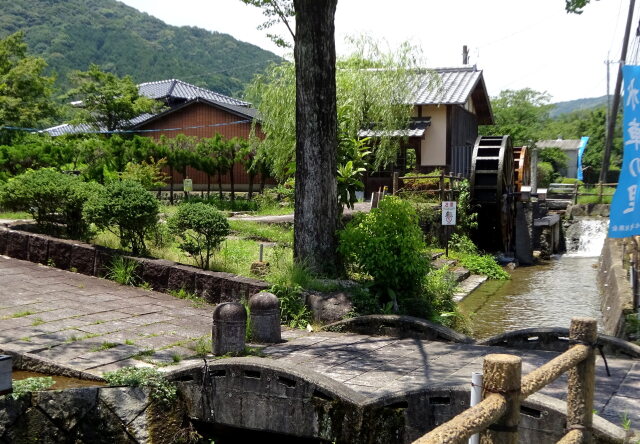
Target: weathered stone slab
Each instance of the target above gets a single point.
(60, 253)
(67, 407)
(103, 259)
(38, 249)
(156, 273)
(182, 277)
(4, 235)
(126, 402)
(83, 257)
(18, 244)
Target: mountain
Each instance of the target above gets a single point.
(71, 34)
(577, 105)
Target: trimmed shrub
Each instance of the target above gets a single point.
(128, 209)
(52, 198)
(388, 245)
(545, 174)
(201, 229)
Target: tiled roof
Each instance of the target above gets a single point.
(178, 89)
(416, 128)
(452, 87)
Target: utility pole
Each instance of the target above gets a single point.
(465, 55)
(608, 63)
(613, 113)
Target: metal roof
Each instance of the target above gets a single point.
(567, 145)
(452, 86)
(177, 89)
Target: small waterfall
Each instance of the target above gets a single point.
(585, 237)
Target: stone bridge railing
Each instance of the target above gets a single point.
(497, 416)
(557, 339)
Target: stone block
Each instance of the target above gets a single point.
(18, 245)
(38, 249)
(156, 273)
(329, 307)
(229, 328)
(265, 318)
(210, 285)
(4, 235)
(83, 257)
(182, 277)
(67, 407)
(60, 253)
(103, 259)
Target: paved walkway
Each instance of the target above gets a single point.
(96, 325)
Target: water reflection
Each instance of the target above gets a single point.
(540, 296)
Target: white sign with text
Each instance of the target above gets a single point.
(449, 212)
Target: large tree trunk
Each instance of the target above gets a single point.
(316, 142)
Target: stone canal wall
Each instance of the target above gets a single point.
(617, 295)
(93, 260)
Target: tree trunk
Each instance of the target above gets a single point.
(231, 179)
(208, 185)
(316, 141)
(251, 178)
(220, 183)
(171, 185)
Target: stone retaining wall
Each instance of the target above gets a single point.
(617, 295)
(89, 415)
(93, 260)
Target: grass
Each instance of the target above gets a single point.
(22, 314)
(607, 195)
(14, 215)
(104, 346)
(37, 321)
(203, 346)
(261, 232)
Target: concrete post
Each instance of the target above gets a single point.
(229, 328)
(503, 374)
(582, 378)
(264, 310)
(395, 182)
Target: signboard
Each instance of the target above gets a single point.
(624, 219)
(187, 185)
(449, 212)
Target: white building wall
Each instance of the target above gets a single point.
(433, 150)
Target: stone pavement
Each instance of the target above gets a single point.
(94, 325)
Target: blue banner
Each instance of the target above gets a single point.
(624, 220)
(581, 148)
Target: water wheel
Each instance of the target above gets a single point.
(522, 167)
(492, 186)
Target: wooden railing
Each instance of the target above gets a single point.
(571, 191)
(448, 188)
(497, 416)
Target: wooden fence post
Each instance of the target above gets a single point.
(503, 374)
(575, 193)
(600, 185)
(582, 378)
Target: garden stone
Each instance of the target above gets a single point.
(328, 307)
(229, 328)
(126, 402)
(83, 258)
(67, 407)
(265, 318)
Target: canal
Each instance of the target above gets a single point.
(546, 295)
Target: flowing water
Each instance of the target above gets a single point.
(547, 295)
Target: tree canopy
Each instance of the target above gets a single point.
(522, 114)
(25, 92)
(108, 101)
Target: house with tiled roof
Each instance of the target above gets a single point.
(189, 110)
(448, 106)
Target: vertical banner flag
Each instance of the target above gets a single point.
(624, 219)
(583, 144)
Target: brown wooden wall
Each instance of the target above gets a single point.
(201, 115)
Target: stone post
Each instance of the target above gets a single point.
(6, 385)
(503, 374)
(582, 378)
(264, 310)
(229, 328)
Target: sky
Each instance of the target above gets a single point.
(517, 43)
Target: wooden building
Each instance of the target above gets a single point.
(448, 107)
(192, 111)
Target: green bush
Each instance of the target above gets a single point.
(23, 386)
(127, 208)
(462, 244)
(201, 229)
(52, 198)
(545, 174)
(571, 180)
(388, 245)
(161, 389)
(293, 311)
(425, 184)
(485, 264)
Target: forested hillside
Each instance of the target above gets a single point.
(570, 106)
(71, 34)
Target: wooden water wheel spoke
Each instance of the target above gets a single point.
(492, 188)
